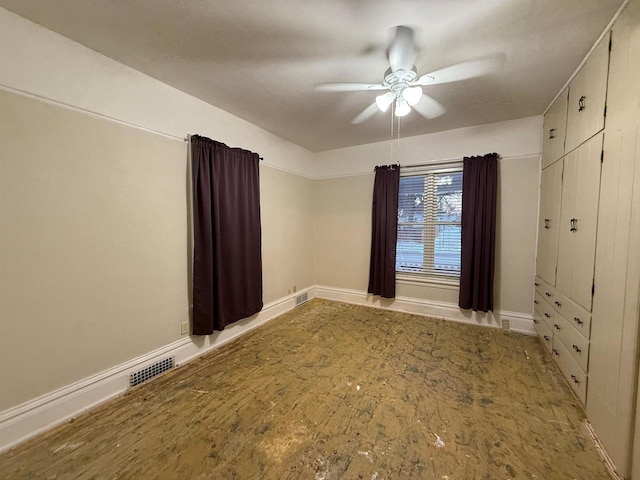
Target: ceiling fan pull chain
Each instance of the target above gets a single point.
(398, 144)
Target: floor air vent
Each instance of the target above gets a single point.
(300, 299)
(136, 378)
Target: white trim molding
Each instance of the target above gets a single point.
(518, 322)
(24, 421)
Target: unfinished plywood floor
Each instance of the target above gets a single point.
(335, 391)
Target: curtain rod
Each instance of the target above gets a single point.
(187, 138)
(459, 160)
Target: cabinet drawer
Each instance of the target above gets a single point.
(573, 341)
(545, 290)
(576, 378)
(577, 316)
(548, 314)
(538, 303)
(587, 98)
(544, 333)
(555, 122)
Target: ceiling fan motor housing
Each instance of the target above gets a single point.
(399, 80)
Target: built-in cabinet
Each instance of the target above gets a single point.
(587, 285)
(555, 125)
(549, 221)
(587, 98)
(578, 221)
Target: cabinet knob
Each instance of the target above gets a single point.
(577, 320)
(556, 326)
(535, 320)
(558, 304)
(576, 348)
(546, 337)
(581, 105)
(536, 302)
(547, 315)
(555, 352)
(536, 284)
(552, 133)
(548, 294)
(575, 379)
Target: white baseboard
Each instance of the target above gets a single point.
(518, 322)
(42, 413)
(19, 423)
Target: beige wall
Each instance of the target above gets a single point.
(286, 203)
(342, 226)
(94, 251)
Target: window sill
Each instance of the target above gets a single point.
(450, 283)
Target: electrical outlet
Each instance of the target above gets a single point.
(184, 328)
(505, 324)
(295, 289)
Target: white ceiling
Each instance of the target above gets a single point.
(260, 59)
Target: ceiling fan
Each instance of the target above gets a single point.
(404, 86)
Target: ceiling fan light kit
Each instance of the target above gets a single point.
(404, 86)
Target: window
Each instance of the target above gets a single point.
(429, 223)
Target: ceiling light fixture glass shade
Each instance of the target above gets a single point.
(402, 107)
(412, 95)
(383, 101)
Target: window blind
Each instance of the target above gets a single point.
(429, 222)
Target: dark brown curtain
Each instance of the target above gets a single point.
(227, 257)
(384, 231)
(479, 197)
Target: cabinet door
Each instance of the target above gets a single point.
(587, 98)
(555, 123)
(549, 222)
(579, 221)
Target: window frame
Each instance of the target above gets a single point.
(440, 280)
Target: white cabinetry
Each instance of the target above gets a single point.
(592, 335)
(569, 196)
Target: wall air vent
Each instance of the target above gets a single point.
(300, 299)
(147, 373)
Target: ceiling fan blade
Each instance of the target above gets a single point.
(428, 107)
(348, 87)
(403, 51)
(366, 114)
(462, 71)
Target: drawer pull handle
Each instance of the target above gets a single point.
(556, 326)
(547, 223)
(581, 105)
(547, 315)
(551, 133)
(558, 304)
(575, 379)
(548, 294)
(546, 337)
(577, 320)
(555, 352)
(577, 349)
(573, 222)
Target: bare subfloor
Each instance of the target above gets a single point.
(332, 391)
